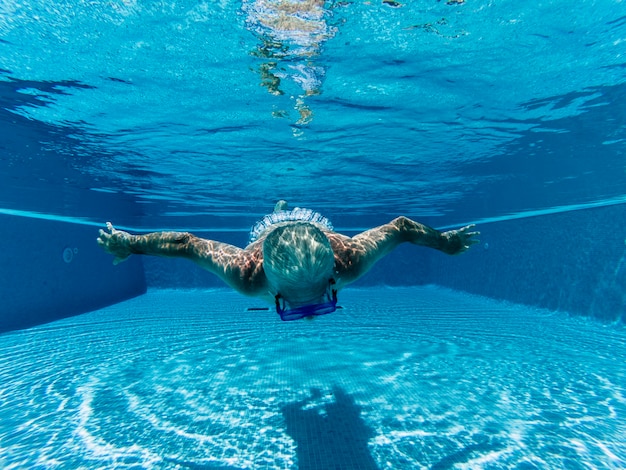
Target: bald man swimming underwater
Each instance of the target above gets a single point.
(294, 258)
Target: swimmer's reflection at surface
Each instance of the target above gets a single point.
(291, 35)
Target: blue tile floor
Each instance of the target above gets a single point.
(401, 378)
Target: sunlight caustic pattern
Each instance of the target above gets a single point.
(443, 380)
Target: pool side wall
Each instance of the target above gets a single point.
(52, 270)
(572, 261)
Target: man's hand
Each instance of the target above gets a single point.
(459, 240)
(115, 242)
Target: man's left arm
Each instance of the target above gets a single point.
(355, 256)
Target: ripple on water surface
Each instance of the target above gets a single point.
(400, 378)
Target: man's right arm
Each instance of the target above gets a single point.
(240, 269)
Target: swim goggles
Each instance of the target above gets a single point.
(314, 310)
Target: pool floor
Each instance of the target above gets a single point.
(400, 378)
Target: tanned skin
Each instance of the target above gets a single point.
(242, 268)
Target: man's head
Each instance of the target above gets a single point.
(298, 262)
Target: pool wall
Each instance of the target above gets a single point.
(571, 261)
(53, 269)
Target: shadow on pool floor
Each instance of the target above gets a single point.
(329, 436)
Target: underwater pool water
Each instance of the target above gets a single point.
(400, 378)
(199, 115)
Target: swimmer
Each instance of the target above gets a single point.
(294, 260)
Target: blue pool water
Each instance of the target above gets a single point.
(198, 115)
(400, 378)
(428, 110)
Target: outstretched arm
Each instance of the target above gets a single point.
(240, 269)
(355, 256)
(402, 229)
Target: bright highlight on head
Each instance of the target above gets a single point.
(298, 262)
